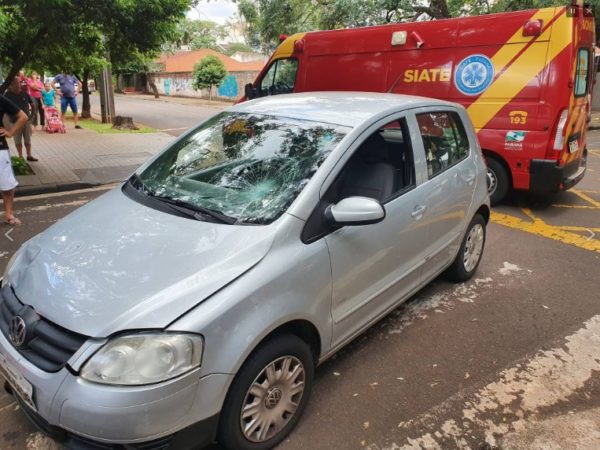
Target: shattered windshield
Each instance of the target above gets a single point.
(247, 167)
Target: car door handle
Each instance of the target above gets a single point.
(418, 211)
(470, 179)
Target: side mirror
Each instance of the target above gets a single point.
(249, 91)
(355, 211)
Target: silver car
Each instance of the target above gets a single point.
(194, 302)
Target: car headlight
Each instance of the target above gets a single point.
(144, 358)
(11, 261)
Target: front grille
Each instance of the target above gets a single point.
(49, 346)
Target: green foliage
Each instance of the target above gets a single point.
(209, 72)
(235, 47)
(195, 34)
(77, 33)
(20, 166)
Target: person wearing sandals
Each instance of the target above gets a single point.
(24, 101)
(8, 182)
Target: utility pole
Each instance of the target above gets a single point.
(107, 99)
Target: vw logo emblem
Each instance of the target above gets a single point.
(17, 331)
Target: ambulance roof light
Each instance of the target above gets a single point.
(533, 27)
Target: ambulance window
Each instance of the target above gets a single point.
(444, 139)
(583, 66)
(280, 78)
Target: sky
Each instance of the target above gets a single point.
(216, 10)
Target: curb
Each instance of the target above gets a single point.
(53, 188)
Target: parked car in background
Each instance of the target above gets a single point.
(523, 76)
(194, 302)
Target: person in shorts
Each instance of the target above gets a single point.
(25, 102)
(8, 182)
(69, 86)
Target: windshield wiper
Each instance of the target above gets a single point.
(195, 211)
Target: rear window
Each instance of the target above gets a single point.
(582, 73)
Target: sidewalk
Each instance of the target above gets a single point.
(84, 158)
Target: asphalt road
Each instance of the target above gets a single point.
(164, 115)
(508, 359)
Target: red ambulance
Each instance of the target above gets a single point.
(525, 78)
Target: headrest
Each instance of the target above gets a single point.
(374, 149)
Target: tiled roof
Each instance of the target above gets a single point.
(185, 61)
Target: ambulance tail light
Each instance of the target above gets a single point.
(559, 139)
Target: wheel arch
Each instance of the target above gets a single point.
(492, 154)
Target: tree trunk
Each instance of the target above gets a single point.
(124, 123)
(210, 93)
(86, 107)
(152, 85)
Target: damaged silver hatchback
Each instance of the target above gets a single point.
(193, 303)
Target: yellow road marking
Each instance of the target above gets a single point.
(539, 228)
(585, 197)
(575, 206)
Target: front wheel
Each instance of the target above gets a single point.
(471, 249)
(268, 395)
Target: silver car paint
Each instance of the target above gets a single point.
(234, 285)
(108, 267)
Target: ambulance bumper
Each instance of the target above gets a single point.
(546, 177)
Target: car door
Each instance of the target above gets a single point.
(373, 266)
(448, 190)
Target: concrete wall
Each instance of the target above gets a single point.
(180, 84)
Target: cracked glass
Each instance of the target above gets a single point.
(248, 167)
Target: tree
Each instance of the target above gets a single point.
(209, 72)
(41, 30)
(195, 34)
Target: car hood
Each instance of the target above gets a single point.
(115, 264)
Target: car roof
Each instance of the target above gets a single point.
(341, 108)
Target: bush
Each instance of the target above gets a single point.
(20, 166)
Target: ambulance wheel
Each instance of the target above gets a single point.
(498, 181)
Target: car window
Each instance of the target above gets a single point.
(381, 168)
(583, 66)
(280, 78)
(444, 139)
(249, 167)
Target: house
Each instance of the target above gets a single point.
(174, 75)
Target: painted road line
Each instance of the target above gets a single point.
(585, 197)
(540, 228)
(574, 206)
(104, 187)
(519, 397)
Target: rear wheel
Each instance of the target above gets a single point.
(498, 181)
(268, 395)
(470, 252)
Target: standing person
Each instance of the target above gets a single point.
(69, 85)
(23, 81)
(48, 96)
(23, 101)
(8, 182)
(35, 91)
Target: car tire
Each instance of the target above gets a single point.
(262, 389)
(498, 180)
(471, 249)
